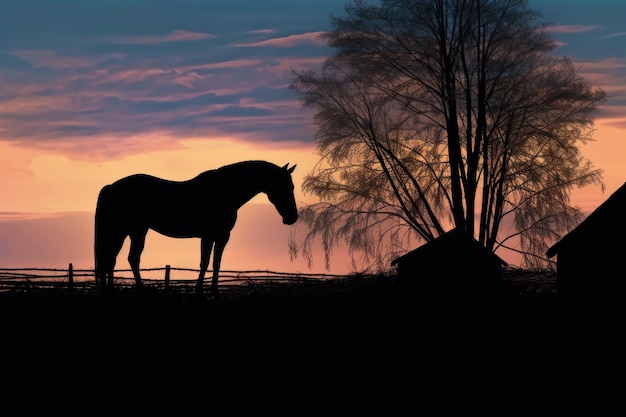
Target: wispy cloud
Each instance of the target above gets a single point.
(286, 41)
(261, 31)
(571, 29)
(175, 36)
(614, 35)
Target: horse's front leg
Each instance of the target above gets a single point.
(220, 244)
(137, 242)
(206, 244)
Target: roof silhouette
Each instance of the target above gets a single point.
(453, 239)
(607, 218)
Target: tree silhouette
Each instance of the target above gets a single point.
(434, 114)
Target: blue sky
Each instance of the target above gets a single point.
(73, 69)
(593, 35)
(94, 90)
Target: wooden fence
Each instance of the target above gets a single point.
(183, 280)
(164, 279)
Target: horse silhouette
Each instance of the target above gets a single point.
(204, 207)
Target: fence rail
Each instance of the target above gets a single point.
(166, 278)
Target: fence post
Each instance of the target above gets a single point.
(167, 277)
(70, 278)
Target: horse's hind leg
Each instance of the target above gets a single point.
(107, 248)
(137, 242)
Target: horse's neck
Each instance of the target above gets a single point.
(247, 192)
(243, 186)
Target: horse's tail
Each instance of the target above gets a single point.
(97, 236)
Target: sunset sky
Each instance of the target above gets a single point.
(91, 91)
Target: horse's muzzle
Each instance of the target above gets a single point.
(290, 220)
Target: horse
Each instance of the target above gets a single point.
(203, 207)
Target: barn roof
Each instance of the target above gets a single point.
(453, 238)
(604, 218)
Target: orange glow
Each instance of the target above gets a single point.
(36, 181)
(37, 184)
(606, 152)
(57, 196)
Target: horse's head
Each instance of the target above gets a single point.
(280, 193)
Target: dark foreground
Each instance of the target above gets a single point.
(380, 350)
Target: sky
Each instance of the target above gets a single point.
(91, 91)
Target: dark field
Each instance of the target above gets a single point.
(359, 347)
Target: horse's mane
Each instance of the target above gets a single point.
(238, 165)
(248, 163)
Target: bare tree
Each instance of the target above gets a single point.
(435, 114)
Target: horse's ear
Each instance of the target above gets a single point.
(290, 170)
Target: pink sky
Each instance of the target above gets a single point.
(88, 100)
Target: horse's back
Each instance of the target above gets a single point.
(138, 189)
(191, 208)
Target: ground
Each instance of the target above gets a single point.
(369, 347)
